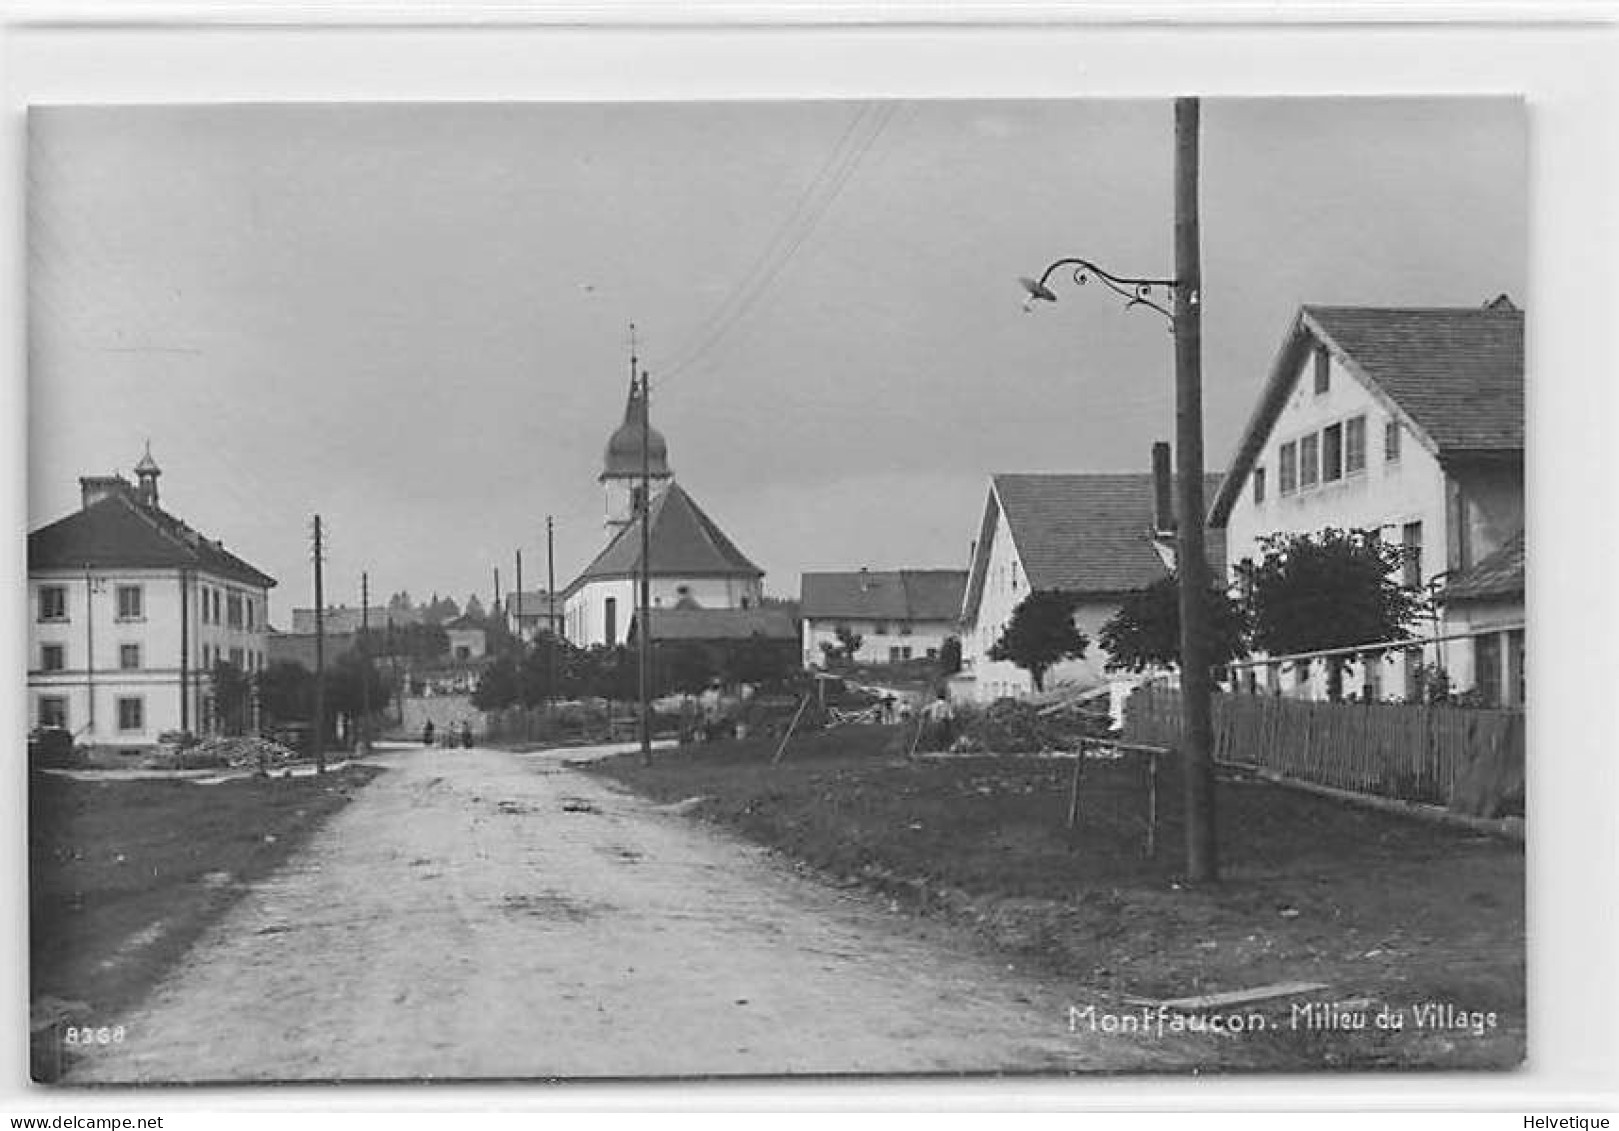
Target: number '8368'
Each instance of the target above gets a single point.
(105, 1035)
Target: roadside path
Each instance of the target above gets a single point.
(480, 914)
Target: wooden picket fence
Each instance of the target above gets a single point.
(1470, 760)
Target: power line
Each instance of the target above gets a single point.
(801, 228)
(713, 326)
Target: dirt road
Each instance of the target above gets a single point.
(479, 914)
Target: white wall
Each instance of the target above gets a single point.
(874, 645)
(92, 623)
(585, 613)
(1385, 495)
(1006, 584)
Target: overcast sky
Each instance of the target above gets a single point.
(413, 319)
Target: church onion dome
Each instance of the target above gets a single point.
(622, 459)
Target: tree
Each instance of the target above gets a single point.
(1041, 634)
(233, 697)
(286, 692)
(499, 686)
(352, 684)
(439, 610)
(841, 652)
(1331, 589)
(950, 655)
(1146, 631)
(756, 660)
(681, 666)
(473, 609)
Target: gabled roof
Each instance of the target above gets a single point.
(685, 542)
(772, 623)
(897, 595)
(1453, 375)
(1497, 575)
(1089, 533)
(120, 532)
(533, 602)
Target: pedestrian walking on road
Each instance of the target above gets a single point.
(427, 733)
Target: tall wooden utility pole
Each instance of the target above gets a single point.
(365, 652)
(1202, 859)
(645, 616)
(550, 613)
(519, 596)
(320, 657)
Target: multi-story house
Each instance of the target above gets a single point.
(1407, 421)
(899, 615)
(1098, 536)
(130, 611)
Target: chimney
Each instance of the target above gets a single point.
(1163, 507)
(94, 488)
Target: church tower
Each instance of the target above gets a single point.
(146, 473)
(621, 464)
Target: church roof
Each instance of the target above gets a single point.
(685, 542)
(622, 458)
(121, 532)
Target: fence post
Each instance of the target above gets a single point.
(1152, 804)
(1073, 787)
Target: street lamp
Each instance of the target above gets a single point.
(1135, 292)
(1185, 318)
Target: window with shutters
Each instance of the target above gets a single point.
(1332, 453)
(1354, 445)
(1309, 460)
(131, 603)
(53, 602)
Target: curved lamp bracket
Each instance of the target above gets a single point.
(1135, 292)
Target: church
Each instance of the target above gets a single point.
(693, 564)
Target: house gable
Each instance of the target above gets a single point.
(1452, 376)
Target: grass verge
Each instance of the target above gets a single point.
(1392, 914)
(125, 875)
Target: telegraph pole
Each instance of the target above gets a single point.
(519, 596)
(320, 657)
(365, 651)
(646, 573)
(550, 613)
(1202, 859)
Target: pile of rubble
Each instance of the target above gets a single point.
(1010, 726)
(245, 751)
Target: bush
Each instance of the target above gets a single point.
(53, 746)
